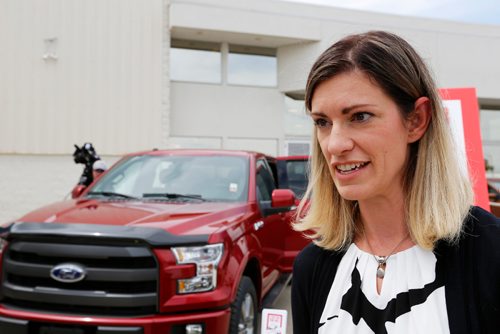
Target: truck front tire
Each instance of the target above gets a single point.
(244, 310)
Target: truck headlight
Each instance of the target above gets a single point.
(206, 259)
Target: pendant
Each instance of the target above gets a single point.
(380, 271)
(381, 265)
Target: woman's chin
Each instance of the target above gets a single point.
(350, 196)
(351, 193)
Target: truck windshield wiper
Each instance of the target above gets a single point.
(173, 196)
(111, 194)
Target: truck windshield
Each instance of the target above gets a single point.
(212, 178)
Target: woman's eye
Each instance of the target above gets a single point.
(361, 116)
(321, 123)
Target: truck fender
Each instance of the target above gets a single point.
(247, 254)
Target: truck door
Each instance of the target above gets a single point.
(269, 230)
(292, 174)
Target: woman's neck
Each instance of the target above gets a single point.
(383, 223)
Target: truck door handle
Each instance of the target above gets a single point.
(258, 225)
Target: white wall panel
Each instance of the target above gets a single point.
(228, 17)
(217, 110)
(267, 146)
(470, 61)
(105, 85)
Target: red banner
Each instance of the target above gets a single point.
(463, 113)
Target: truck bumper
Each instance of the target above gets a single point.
(20, 322)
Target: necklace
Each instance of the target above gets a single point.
(382, 260)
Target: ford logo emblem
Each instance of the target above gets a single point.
(68, 273)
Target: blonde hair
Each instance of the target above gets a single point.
(438, 193)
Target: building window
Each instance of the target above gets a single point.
(298, 147)
(298, 127)
(195, 61)
(252, 66)
(297, 121)
(490, 123)
(220, 63)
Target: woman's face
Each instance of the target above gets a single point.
(362, 135)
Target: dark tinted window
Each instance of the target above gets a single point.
(293, 176)
(265, 181)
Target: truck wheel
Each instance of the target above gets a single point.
(244, 309)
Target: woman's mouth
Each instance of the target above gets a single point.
(349, 168)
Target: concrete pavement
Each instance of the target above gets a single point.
(283, 302)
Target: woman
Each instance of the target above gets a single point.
(397, 248)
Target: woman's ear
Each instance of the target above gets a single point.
(419, 119)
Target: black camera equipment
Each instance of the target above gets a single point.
(86, 155)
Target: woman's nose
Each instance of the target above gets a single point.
(339, 141)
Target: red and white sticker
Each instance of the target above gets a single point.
(273, 321)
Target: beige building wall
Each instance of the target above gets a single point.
(76, 71)
(30, 181)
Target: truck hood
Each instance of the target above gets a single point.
(177, 218)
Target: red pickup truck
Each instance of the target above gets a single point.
(170, 242)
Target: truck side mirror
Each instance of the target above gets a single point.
(281, 201)
(282, 198)
(78, 190)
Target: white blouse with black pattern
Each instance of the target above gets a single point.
(411, 300)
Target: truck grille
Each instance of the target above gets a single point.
(120, 280)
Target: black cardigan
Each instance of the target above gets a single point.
(472, 279)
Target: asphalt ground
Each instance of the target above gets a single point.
(283, 303)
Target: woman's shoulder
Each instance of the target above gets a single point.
(481, 223)
(313, 259)
(313, 274)
(479, 238)
(312, 253)
(305, 260)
